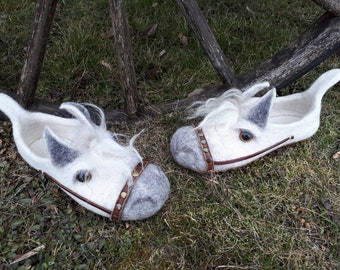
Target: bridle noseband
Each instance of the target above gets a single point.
(117, 211)
(124, 194)
(209, 161)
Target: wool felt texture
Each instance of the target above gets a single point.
(86, 158)
(243, 127)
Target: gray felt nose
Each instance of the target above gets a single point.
(148, 194)
(186, 150)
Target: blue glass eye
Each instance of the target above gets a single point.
(245, 136)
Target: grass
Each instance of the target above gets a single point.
(281, 212)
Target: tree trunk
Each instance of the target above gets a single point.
(332, 6)
(124, 56)
(44, 14)
(304, 54)
(199, 25)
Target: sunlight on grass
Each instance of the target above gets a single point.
(281, 212)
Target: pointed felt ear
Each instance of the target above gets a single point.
(60, 152)
(259, 113)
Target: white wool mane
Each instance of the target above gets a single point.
(114, 145)
(103, 141)
(226, 108)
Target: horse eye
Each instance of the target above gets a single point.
(245, 136)
(83, 176)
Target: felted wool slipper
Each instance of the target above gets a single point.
(239, 128)
(87, 161)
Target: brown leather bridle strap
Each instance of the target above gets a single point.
(78, 196)
(254, 154)
(125, 193)
(210, 163)
(123, 196)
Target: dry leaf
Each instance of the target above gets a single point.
(307, 225)
(183, 39)
(28, 254)
(53, 208)
(196, 92)
(107, 34)
(336, 155)
(248, 9)
(105, 64)
(152, 30)
(162, 52)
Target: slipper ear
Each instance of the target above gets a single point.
(259, 113)
(61, 152)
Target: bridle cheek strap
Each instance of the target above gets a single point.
(125, 193)
(117, 211)
(210, 163)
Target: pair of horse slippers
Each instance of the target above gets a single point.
(110, 178)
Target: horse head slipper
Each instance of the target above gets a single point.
(87, 161)
(239, 128)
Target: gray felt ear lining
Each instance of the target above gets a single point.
(61, 154)
(259, 113)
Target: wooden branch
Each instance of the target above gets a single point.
(199, 25)
(124, 55)
(44, 13)
(117, 116)
(332, 6)
(44, 106)
(304, 54)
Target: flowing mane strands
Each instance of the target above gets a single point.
(226, 107)
(98, 137)
(214, 109)
(88, 161)
(241, 127)
(99, 113)
(101, 129)
(225, 101)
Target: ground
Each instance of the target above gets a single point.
(281, 212)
